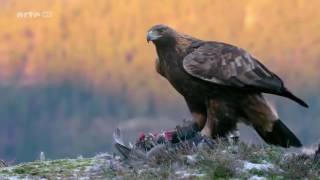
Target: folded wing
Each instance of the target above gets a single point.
(230, 66)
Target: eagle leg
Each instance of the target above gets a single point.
(221, 120)
(198, 111)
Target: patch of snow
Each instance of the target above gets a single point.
(140, 171)
(18, 178)
(309, 150)
(249, 166)
(9, 169)
(185, 174)
(192, 159)
(255, 177)
(75, 173)
(105, 156)
(84, 178)
(12, 178)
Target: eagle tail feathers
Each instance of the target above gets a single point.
(291, 96)
(280, 135)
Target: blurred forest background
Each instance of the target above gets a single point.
(68, 80)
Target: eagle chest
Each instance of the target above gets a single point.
(178, 78)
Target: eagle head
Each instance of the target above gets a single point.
(161, 34)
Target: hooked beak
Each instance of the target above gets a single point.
(152, 35)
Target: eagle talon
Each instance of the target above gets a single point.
(185, 132)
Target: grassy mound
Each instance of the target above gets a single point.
(224, 161)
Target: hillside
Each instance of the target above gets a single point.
(240, 161)
(87, 68)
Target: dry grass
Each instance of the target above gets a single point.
(185, 162)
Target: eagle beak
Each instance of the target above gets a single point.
(152, 35)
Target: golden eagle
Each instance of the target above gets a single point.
(222, 85)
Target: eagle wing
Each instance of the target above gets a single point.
(228, 65)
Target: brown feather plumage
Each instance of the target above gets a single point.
(222, 85)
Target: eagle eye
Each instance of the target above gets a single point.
(160, 30)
